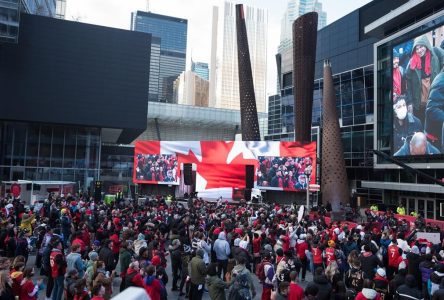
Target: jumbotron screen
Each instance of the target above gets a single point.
(289, 166)
(418, 94)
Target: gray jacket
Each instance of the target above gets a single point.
(221, 247)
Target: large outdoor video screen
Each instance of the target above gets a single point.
(288, 166)
(418, 94)
(288, 173)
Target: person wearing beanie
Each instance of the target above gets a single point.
(409, 290)
(381, 282)
(216, 286)
(413, 261)
(93, 257)
(368, 292)
(330, 252)
(198, 271)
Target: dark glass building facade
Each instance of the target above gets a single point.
(351, 53)
(66, 88)
(170, 57)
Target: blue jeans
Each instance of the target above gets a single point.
(57, 291)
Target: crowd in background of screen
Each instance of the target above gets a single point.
(157, 168)
(284, 172)
(418, 95)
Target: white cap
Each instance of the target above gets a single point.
(381, 272)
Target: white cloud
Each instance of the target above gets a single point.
(117, 13)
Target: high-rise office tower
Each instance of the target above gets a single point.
(171, 36)
(200, 69)
(213, 61)
(60, 9)
(10, 15)
(295, 9)
(228, 80)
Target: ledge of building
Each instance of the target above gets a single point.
(399, 186)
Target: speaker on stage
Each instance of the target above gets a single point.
(97, 190)
(188, 174)
(249, 176)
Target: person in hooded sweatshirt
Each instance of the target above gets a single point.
(368, 292)
(222, 249)
(322, 283)
(414, 259)
(435, 278)
(369, 262)
(439, 294)
(409, 290)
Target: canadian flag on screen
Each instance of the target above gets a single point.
(220, 165)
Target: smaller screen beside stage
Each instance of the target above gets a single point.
(287, 173)
(418, 94)
(156, 168)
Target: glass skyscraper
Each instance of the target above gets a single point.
(168, 51)
(256, 20)
(201, 69)
(295, 9)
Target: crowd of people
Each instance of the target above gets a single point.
(159, 168)
(290, 173)
(418, 93)
(83, 246)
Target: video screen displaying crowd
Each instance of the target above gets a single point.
(83, 246)
(289, 173)
(418, 95)
(159, 168)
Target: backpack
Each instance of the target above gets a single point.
(127, 281)
(240, 289)
(260, 270)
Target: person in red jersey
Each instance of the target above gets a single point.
(58, 269)
(28, 290)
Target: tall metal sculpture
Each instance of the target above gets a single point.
(334, 176)
(248, 110)
(305, 30)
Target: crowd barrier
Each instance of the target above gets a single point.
(409, 219)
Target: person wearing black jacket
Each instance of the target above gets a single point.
(176, 262)
(106, 255)
(369, 262)
(396, 282)
(414, 259)
(439, 294)
(322, 283)
(409, 290)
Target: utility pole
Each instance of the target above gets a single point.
(147, 5)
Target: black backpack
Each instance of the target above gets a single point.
(240, 290)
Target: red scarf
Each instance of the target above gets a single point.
(415, 62)
(397, 81)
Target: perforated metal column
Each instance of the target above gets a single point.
(248, 110)
(305, 30)
(334, 183)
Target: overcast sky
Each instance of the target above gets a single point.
(117, 13)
